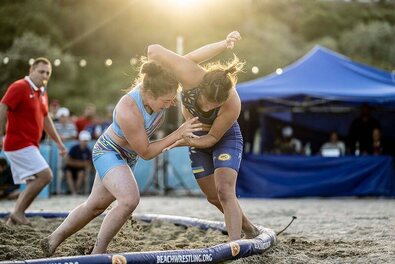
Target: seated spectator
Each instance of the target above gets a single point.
(8, 189)
(378, 147)
(287, 144)
(77, 162)
(334, 147)
(87, 118)
(64, 126)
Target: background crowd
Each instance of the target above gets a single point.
(364, 137)
(80, 132)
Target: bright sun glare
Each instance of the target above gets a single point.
(184, 4)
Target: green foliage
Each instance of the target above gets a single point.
(370, 43)
(273, 44)
(99, 85)
(327, 42)
(38, 17)
(30, 46)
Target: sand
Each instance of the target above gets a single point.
(23, 242)
(348, 230)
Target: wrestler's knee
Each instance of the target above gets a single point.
(225, 194)
(94, 208)
(97, 211)
(129, 204)
(213, 200)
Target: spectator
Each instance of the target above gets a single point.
(78, 161)
(360, 132)
(287, 144)
(84, 121)
(97, 127)
(334, 145)
(8, 189)
(108, 120)
(99, 124)
(379, 146)
(53, 109)
(25, 107)
(65, 127)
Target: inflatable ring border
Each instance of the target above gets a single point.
(214, 254)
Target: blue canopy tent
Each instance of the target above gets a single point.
(316, 95)
(325, 74)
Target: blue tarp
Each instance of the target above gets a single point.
(149, 175)
(323, 73)
(272, 176)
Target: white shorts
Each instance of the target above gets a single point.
(25, 163)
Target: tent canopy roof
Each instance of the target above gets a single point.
(323, 73)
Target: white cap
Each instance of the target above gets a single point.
(84, 136)
(287, 131)
(63, 111)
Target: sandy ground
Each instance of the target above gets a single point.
(349, 230)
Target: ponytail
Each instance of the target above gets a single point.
(156, 80)
(220, 79)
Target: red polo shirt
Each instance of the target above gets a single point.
(25, 116)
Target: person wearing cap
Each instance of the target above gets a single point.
(77, 163)
(64, 126)
(25, 107)
(287, 144)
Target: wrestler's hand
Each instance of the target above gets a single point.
(188, 127)
(179, 143)
(232, 38)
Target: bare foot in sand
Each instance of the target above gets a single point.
(15, 219)
(252, 233)
(46, 247)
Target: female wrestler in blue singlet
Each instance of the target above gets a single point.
(115, 153)
(210, 95)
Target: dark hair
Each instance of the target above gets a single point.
(220, 79)
(41, 60)
(156, 80)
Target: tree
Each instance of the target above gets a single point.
(371, 43)
(30, 46)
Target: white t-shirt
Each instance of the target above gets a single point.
(338, 145)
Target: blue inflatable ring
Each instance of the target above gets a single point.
(215, 254)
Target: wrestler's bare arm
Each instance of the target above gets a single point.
(132, 124)
(187, 72)
(213, 49)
